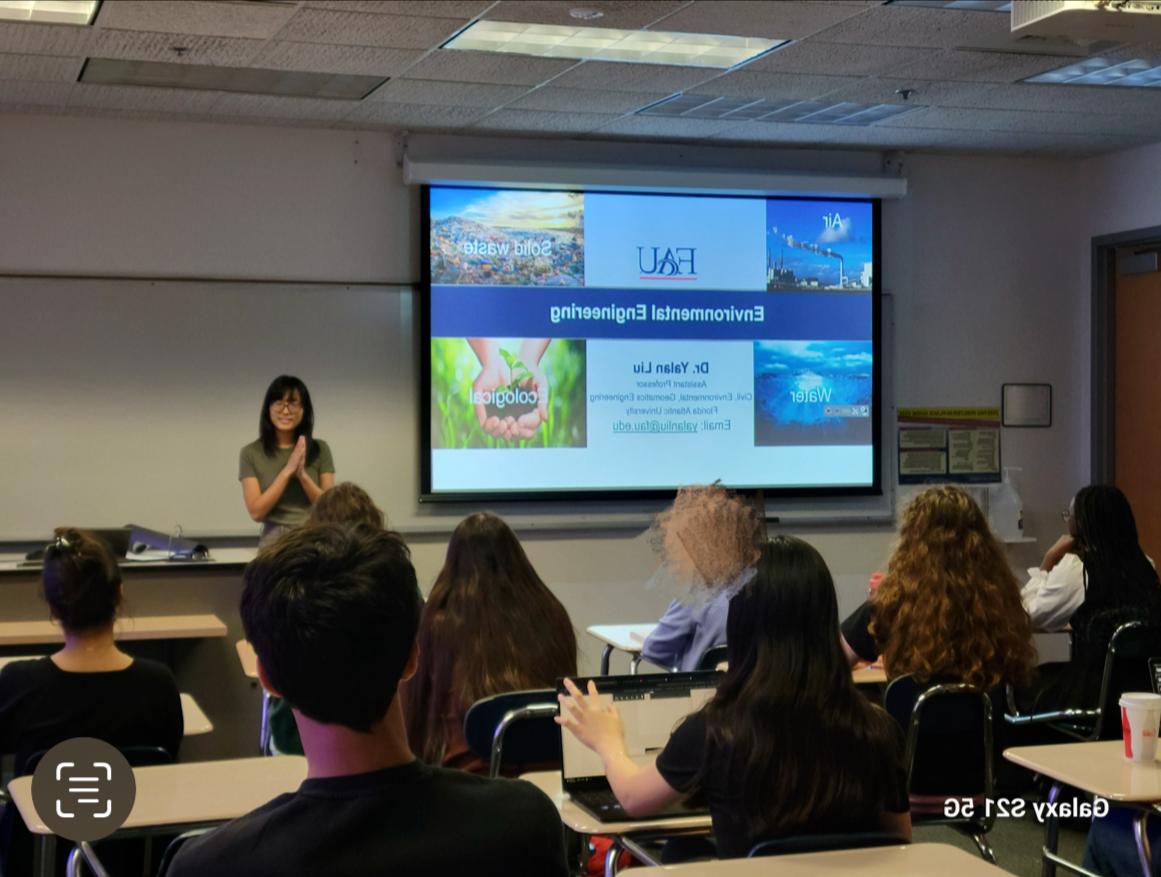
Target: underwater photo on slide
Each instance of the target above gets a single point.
(812, 393)
(522, 402)
(507, 237)
(819, 245)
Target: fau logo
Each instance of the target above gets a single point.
(670, 263)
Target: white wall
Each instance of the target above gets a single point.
(981, 256)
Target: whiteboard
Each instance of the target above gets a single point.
(129, 401)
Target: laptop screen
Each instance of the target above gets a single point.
(650, 706)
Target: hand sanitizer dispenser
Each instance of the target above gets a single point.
(1007, 509)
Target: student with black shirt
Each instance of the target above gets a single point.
(90, 688)
(332, 612)
(787, 746)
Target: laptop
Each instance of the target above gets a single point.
(651, 706)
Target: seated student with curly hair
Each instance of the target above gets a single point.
(332, 612)
(948, 609)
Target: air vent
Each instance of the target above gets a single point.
(702, 106)
(288, 83)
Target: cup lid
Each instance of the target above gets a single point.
(1141, 698)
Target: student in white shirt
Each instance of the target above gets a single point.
(1056, 590)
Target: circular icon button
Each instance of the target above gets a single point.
(83, 789)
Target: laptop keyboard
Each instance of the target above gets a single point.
(602, 803)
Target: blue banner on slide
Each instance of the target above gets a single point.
(494, 312)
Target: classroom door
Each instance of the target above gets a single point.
(1138, 402)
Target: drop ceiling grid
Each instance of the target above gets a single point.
(847, 50)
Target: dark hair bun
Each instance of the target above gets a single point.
(81, 581)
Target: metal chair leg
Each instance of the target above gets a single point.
(1144, 854)
(985, 848)
(1051, 833)
(611, 858)
(264, 732)
(608, 650)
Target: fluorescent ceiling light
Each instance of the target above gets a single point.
(1102, 71)
(705, 106)
(248, 80)
(610, 44)
(49, 11)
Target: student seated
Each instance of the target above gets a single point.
(344, 503)
(489, 626)
(787, 746)
(1120, 585)
(90, 688)
(332, 612)
(948, 609)
(686, 633)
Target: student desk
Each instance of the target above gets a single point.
(180, 796)
(624, 834)
(25, 633)
(249, 662)
(1101, 769)
(622, 637)
(915, 860)
(872, 674)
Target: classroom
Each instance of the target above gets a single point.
(885, 269)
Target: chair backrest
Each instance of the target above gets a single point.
(137, 756)
(819, 843)
(948, 713)
(174, 848)
(713, 656)
(514, 728)
(1126, 669)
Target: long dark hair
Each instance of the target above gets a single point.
(1117, 573)
(810, 752)
(81, 581)
(278, 388)
(489, 626)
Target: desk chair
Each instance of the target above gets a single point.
(1126, 669)
(489, 731)
(174, 848)
(928, 710)
(82, 852)
(821, 843)
(713, 656)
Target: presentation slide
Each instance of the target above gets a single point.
(584, 341)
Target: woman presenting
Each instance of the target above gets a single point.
(285, 470)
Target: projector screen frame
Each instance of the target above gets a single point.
(427, 495)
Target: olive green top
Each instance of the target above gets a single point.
(293, 506)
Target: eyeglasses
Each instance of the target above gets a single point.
(283, 405)
(1066, 514)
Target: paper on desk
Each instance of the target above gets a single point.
(639, 636)
(146, 557)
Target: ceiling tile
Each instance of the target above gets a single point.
(22, 38)
(743, 83)
(49, 94)
(211, 18)
(665, 127)
(584, 101)
(162, 100)
(447, 94)
(627, 14)
(276, 106)
(916, 26)
(813, 56)
(133, 115)
(414, 115)
(617, 76)
(461, 9)
(787, 19)
(533, 121)
(1071, 98)
(878, 137)
(923, 92)
(320, 58)
(40, 68)
(770, 133)
(1028, 121)
(979, 66)
(454, 66)
(364, 29)
(131, 45)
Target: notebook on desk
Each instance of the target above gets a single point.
(651, 706)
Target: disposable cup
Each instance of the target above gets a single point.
(1140, 717)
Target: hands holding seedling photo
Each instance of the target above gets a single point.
(511, 390)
